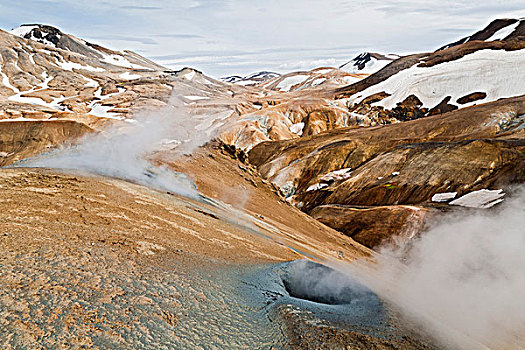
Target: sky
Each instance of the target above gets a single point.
(239, 37)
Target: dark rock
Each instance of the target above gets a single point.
(471, 97)
(408, 109)
(375, 97)
(442, 107)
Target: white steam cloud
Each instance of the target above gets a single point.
(464, 280)
(125, 151)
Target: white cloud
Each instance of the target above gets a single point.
(212, 28)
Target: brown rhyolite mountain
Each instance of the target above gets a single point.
(305, 172)
(77, 87)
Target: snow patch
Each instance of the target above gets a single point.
(350, 80)
(497, 72)
(287, 83)
(90, 82)
(504, 32)
(297, 128)
(118, 60)
(22, 119)
(104, 112)
(370, 67)
(189, 76)
(316, 187)
(6, 82)
(129, 76)
(22, 30)
(196, 98)
(443, 197)
(97, 109)
(323, 71)
(73, 65)
(318, 81)
(480, 199)
(55, 104)
(246, 82)
(340, 174)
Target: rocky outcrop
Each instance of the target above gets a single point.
(475, 96)
(374, 227)
(371, 183)
(23, 139)
(482, 121)
(443, 107)
(413, 173)
(285, 119)
(404, 163)
(408, 109)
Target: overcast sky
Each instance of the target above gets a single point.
(242, 36)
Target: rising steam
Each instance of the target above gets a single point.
(124, 151)
(464, 280)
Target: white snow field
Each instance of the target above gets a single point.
(498, 73)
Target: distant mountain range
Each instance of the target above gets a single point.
(251, 79)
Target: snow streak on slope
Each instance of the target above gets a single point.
(504, 32)
(73, 65)
(118, 60)
(498, 73)
(287, 83)
(22, 30)
(55, 104)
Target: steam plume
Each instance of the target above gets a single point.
(122, 151)
(464, 280)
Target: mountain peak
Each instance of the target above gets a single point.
(41, 33)
(54, 37)
(251, 79)
(368, 62)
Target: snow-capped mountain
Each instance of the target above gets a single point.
(54, 37)
(251, 79)
(368, 62)
(48, 75)
(494, 73)
(484, 67)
